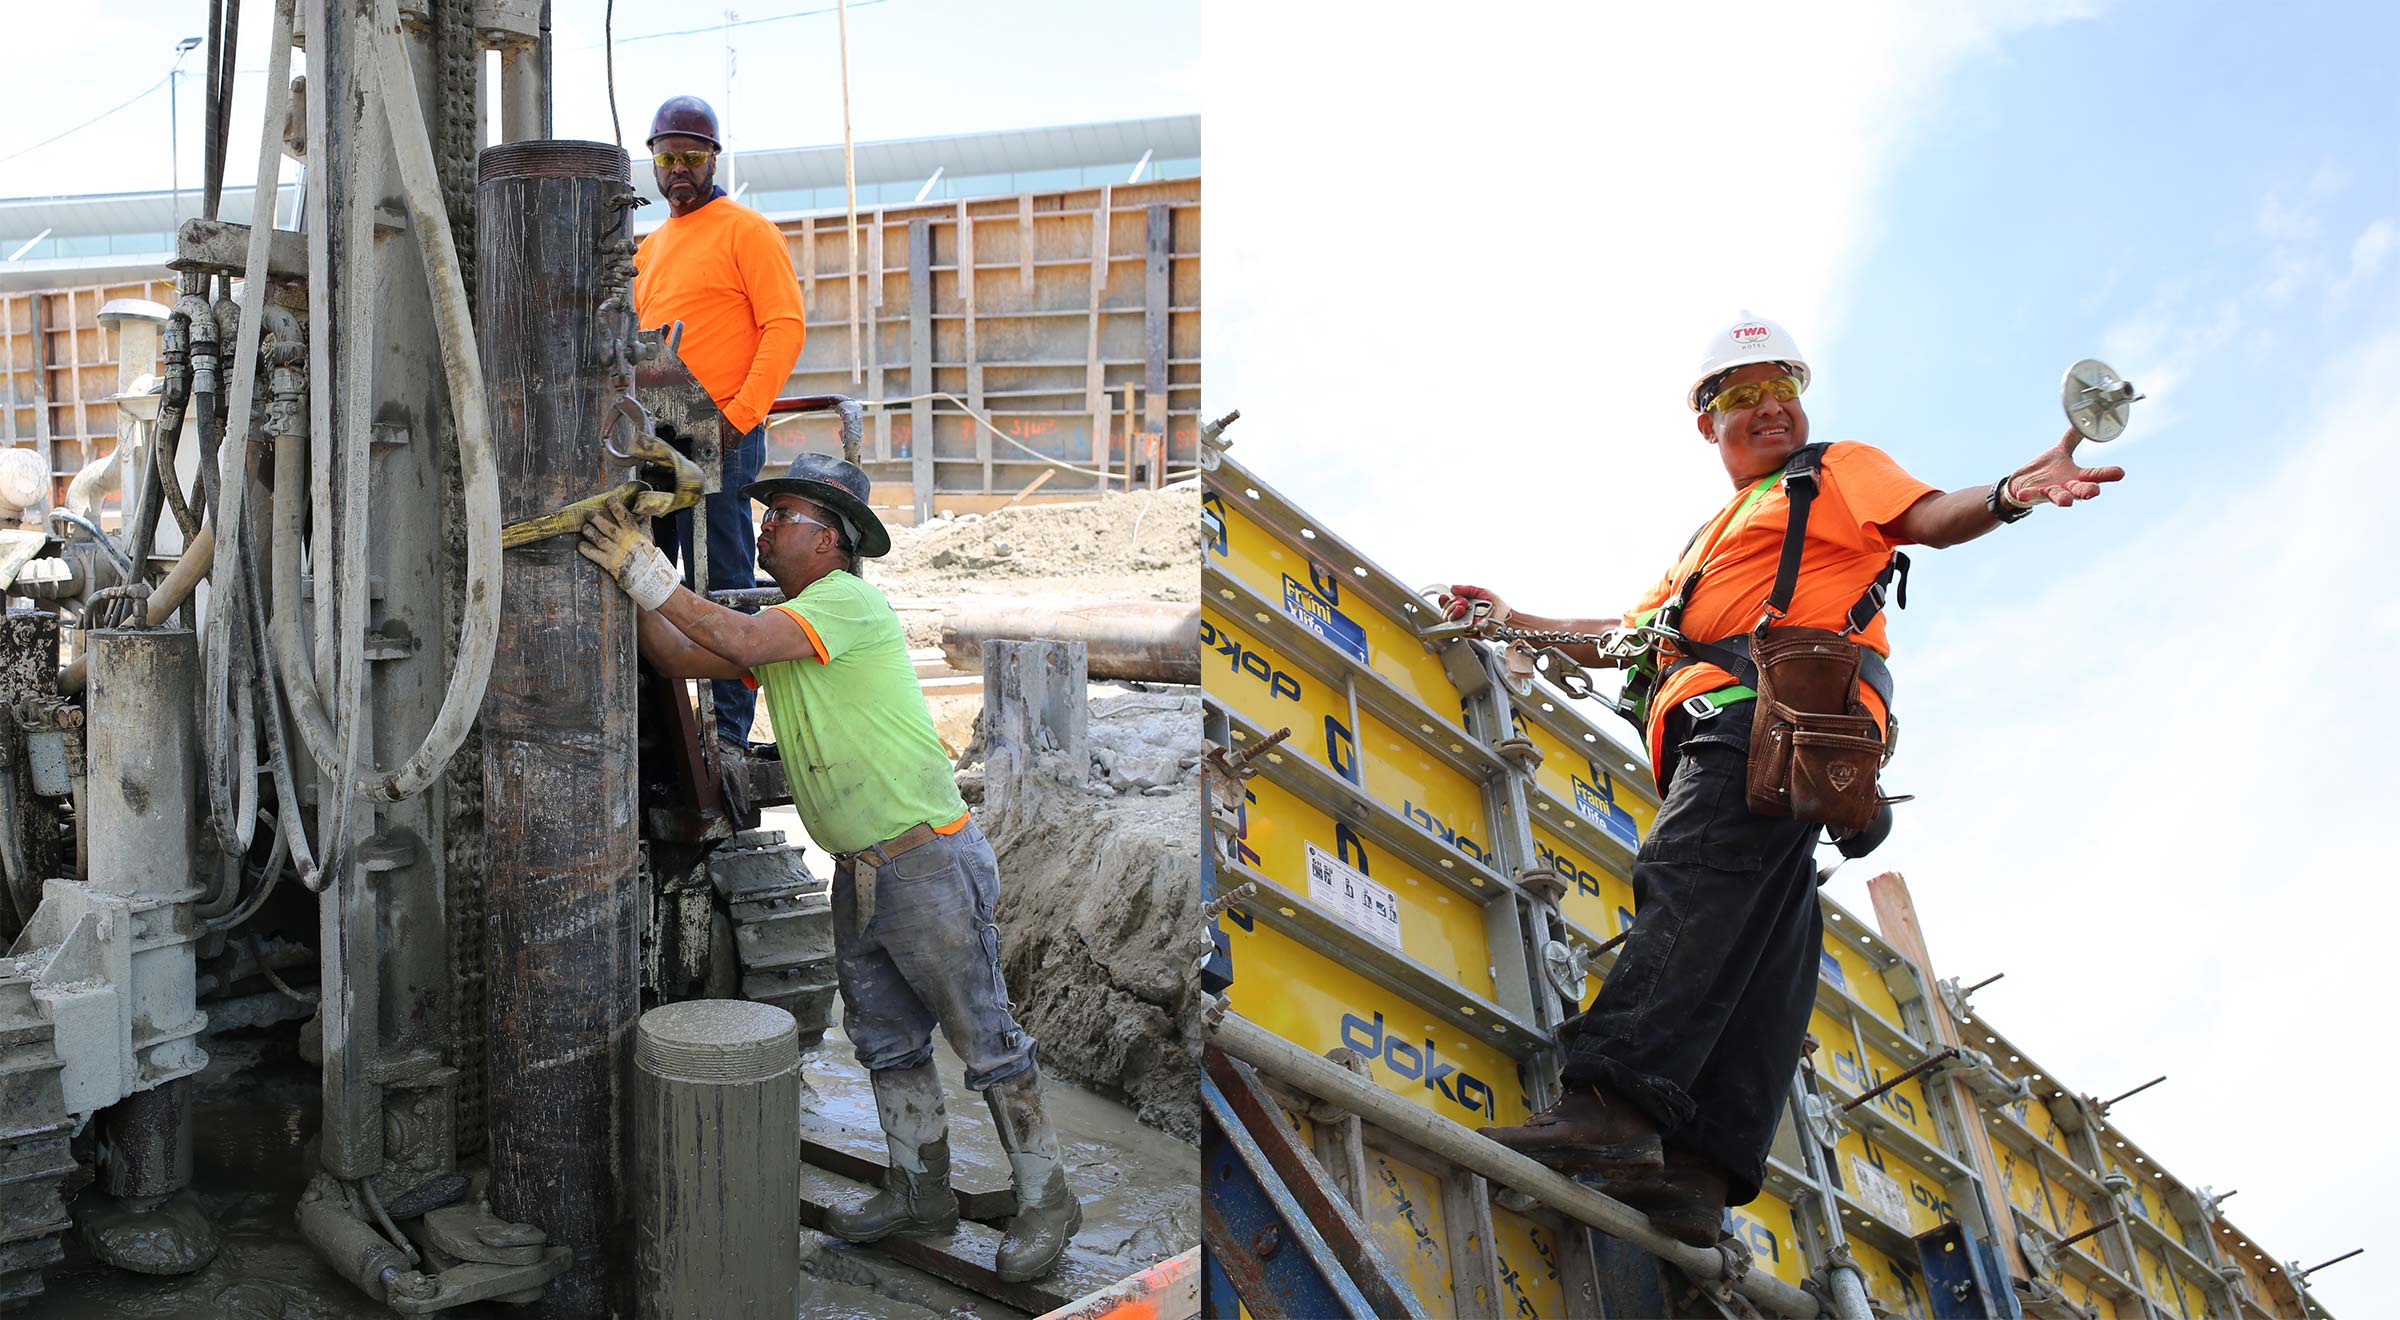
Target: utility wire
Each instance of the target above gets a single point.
(748, 22)
(88, 122)
(608, 36)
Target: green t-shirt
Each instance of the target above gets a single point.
(858, 745)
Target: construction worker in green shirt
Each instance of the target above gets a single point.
(914, 880)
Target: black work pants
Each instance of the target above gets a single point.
(1701, 1019)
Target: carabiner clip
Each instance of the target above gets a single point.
(630, 415)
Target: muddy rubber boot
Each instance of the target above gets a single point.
(1047, 1212)
(1685, 1199)
(1589, 1130)
(916, 1195)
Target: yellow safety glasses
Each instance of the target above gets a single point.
(1784, 388)
(690, 160)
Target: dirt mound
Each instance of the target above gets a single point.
(1139, 546)
(1100, 909)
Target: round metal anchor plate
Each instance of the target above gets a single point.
(2097, 399)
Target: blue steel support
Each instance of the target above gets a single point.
(1964, 1278)
(1271, 1220)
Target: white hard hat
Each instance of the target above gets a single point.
(1749, 339)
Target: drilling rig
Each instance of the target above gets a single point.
(376, 718)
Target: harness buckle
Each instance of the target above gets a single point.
(1700, 707)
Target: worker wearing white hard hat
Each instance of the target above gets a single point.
(1675, 1077)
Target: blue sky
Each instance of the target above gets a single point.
(1459, 276)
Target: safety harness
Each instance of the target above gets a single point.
(1732, 654)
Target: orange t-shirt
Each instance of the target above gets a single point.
(1860, 492)
(724, 272)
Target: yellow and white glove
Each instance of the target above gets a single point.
(614, 541)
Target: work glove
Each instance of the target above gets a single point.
(614, 540)
(1459, 600)
(2056, 478)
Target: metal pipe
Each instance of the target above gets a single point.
(107, 544)
(2104, 1105)
(1930, 1061)
(561, 989)
(1151, 641)
(1849, 1282)
(1290, 1064)
(2101, 1227)
(169, 596)
(2359, 1251)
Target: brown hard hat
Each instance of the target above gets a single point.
(688, 115)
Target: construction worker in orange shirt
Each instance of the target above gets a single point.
(723, 270)
(1675, 1077)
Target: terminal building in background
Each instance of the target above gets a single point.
(1027, 303)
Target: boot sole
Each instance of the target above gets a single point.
(912, 1228)
(1623, 1157)
(1074, 1226)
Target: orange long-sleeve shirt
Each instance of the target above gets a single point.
(724, 272)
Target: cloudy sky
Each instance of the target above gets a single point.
(1461, 262)
(917, 67)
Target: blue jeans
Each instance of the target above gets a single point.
(732, 562)
(929, 955)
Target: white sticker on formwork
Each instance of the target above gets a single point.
(1879, 1191)
(1346, 892)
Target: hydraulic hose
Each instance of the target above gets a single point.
(235, 812)
(479, 625)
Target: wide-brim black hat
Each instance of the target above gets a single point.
(840, 486)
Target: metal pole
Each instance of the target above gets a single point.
(850, 189)
(174, 149)
(558, 728)
(1293, 1066)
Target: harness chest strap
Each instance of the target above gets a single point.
(1732, 654)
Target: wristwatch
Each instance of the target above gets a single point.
(2004, 509)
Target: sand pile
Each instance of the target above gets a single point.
(1139, 546)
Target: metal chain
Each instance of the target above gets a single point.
(457, 51)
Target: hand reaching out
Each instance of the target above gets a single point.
(2056, 477)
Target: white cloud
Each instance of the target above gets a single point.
(1572, 200)
(2368, 252)
(2172, 770)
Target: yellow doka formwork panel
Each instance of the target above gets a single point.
(1598, 790)
(1597, 899)
(1438, 927)
(1272, 690)
(1315, 596)
(1308, 999)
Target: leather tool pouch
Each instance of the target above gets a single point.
(1814, 749)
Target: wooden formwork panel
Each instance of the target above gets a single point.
(1070, 319)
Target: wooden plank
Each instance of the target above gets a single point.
(8, 364)
(1896, 921)
(1159, 241)
(974, 355)
(83, 415)
(964, 1255)
(41, 390)
(1040, 479)
(1025, 243)
(808, 261)
(1095, 389)
(920, 364)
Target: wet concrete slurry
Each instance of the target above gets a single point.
(1139, 1187)
(256, 1111)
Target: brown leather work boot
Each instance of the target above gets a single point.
(1589, 1130)
(1685, 1198)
